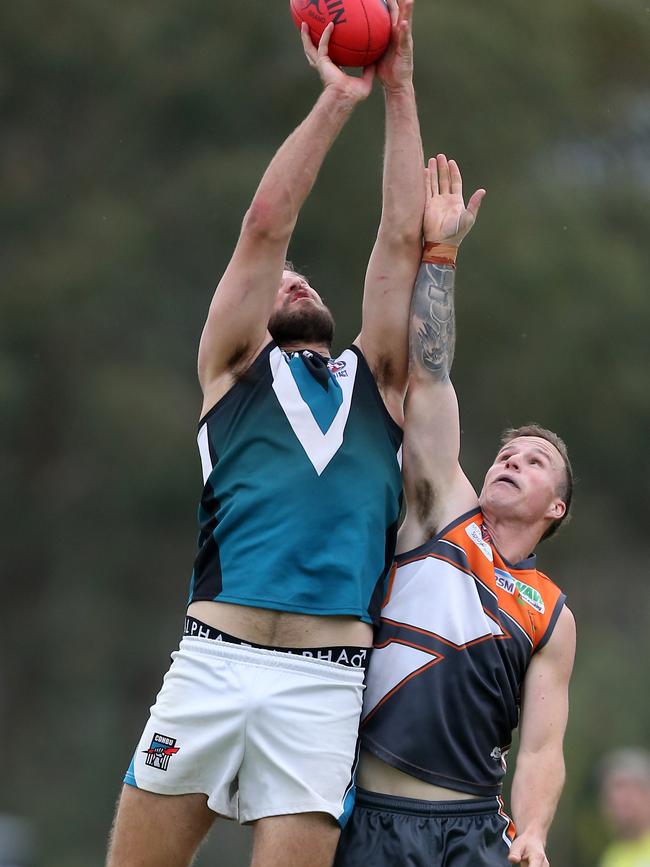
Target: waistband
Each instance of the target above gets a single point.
(349, 656)
(415, 807)
(258, 657)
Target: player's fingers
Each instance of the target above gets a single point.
(323, 45)
(394, 11)
(307, 44)
(404, 35)
(404, 25)
(433, 176)
(406, 11)
(475, 202)
(455, 178)
(444, 183)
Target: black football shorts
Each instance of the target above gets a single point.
(386, 831)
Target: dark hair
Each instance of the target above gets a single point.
(565, 490)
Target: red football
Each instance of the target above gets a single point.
(361, 27)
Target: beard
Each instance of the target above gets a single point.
(309, 324)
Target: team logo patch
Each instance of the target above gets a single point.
(337, 367)
(500, 755)
(531, 596)
(525, 593)
(474, 533)
(505, 581)
(161, 750)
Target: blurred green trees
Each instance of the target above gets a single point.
(133, 137)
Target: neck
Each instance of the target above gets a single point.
(512, 539)
(296, 346)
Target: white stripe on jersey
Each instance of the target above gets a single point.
(319, 447)
(390, 666)
(204, 451)
(460, 620)
(502, 613)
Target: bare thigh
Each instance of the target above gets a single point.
(303, 840)
(153, 830)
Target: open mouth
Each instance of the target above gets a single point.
(507, 481)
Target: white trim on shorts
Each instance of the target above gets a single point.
(260, 732)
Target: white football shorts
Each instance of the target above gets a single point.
(260, 732)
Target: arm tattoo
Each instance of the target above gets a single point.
(432, 333)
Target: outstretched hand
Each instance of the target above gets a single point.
(355, 87)
(395, 67)
(446, 219)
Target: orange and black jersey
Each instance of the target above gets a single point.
(458, 628)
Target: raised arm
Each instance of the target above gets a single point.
(539, 774)
(435, 486)
(236, 327)
(396, 253)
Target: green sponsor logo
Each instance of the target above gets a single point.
(531, 596)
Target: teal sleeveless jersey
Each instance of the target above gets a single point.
(302, 488)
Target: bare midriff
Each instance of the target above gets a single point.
(376, 776)
(282, 628)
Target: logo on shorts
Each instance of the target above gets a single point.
(161, 750)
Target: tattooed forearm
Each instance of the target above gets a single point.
(433, 330)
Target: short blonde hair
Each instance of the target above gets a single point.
(565, 490)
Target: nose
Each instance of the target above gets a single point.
(513, 462)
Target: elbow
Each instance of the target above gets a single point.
(410, 238)
(423, 376)
(266, 222)
(548, 757)
(409, 229)
(404, 235)
(402, 218)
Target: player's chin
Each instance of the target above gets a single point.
(305, 322)
(504, 496)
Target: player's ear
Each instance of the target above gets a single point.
(556, 510)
